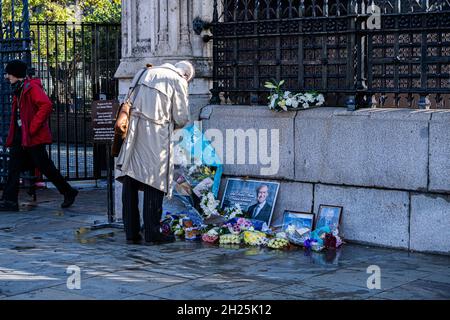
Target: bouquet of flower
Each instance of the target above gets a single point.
(230, 239)
(192, 233)
(255, 238)
(284, 100)
(278, 243)
(211, 236)
(209, 205)
(177, 228)
(233, 212)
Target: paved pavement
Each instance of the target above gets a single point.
(40, 243)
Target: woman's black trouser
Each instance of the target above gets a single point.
(153, 200)
(38, 155)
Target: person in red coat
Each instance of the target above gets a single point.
(29, 132)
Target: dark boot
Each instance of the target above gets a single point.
(9, 206)
(160, 238)
(69, 198)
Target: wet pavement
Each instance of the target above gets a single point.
(42, 245)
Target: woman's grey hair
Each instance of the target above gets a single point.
(186, 69)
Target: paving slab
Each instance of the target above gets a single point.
(38, 245)
(217, 286)
(418, 290)
(49, 294)
(326, 291)
(122, 284)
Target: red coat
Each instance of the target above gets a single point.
(35, 111)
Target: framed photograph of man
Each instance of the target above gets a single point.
(329, 216)
(256, 198)
(299, 220)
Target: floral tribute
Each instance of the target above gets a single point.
(280, 100)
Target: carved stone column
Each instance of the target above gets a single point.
(185, 14)
(161, 31)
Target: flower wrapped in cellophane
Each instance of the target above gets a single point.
(230, 239)
(280, 100)
(197, 172)
(211, 236)
(278, 243)
(255, 238)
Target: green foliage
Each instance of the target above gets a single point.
(101, 10)
(65, 10)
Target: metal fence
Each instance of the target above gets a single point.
(76, 63)
(14, 44)
(334, 46)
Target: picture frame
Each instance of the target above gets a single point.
(298, 219)
(329, 215)
(257, 198)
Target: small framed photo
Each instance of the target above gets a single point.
(298, 220)
(329, 216)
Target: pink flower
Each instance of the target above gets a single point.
(208, 238)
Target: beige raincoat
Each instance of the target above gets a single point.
(160, 105)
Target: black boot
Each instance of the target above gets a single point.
(137, 240)
(9, 206)
(69, 198)
(160, 238)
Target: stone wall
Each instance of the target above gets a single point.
(388, 168)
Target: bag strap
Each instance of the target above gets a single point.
(132, 88)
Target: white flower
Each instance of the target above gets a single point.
(282, 104)
(301, 98)
(212, 232)
(290, 229)
(265, 227)
(286, 94)
(289, 101)
(320, 99)
(180, 157)
(272, 101)
(281, 235)
(305, 105)
(192, 169)
(294, 103)
(309, 97)
(209, 205)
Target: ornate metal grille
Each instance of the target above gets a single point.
(76, 63)
(14, 44)
(328, 46)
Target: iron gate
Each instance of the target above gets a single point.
(328, 46)
(14, 44)
(76, 63)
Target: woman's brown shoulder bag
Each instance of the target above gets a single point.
(122, 120)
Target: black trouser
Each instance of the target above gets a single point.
(39, 158)
(153, 200)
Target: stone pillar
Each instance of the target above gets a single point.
(163, 27)
(160, 31)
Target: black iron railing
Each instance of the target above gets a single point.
(383, 53)
(76, 63)
(14, 44)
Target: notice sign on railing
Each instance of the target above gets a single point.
(103, 113)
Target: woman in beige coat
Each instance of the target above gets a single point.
(145, 161)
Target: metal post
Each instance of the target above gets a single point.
(110, 196)
(110, 185)
(215, 99)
